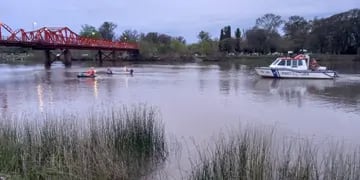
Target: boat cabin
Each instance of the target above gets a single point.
(290, 63)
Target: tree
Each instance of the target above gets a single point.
(297, 31)
(238, 40)
(130, 36)
(181, 39)
(206, 45)
(154, 44)
(107, 30)
(221, 34)
(164, 42)
(178, 46)
(204, 36)
(89, 31)
(269, 22)
(164, 39)
(152, 37)
(337, 34)
(226, 43)
(227, 32)
(256, 40)
(221, 48)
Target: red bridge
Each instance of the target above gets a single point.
(63, 38)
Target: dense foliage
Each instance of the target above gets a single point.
(337, 34)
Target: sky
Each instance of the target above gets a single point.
(174, 17)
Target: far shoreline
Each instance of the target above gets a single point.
(34, 58)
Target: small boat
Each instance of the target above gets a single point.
(118, 73)
(127, 72)
(297, 67)
(85, 75)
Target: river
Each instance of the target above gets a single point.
(196, 100)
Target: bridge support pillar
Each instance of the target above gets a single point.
(48, 60)
(67, 58)
(113, 55)
(100, 53)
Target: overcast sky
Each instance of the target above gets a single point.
(175, 17)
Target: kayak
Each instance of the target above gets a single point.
(84, 75)
(118, 73)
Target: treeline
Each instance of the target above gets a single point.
(152, 44)
(337, 34)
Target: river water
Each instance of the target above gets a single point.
(196, 100)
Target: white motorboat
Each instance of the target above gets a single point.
(297, 67)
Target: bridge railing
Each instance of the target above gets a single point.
(58, 37)
(85, 42)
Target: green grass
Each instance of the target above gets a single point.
(126, 143)
(261, 154)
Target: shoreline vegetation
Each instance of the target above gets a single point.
(130, 143)
(123, 143)
(261, 153)
(37, 57)
(271, 36)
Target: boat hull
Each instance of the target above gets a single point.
(296, 74)
(84, 75)
(118, 73)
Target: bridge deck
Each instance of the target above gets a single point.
(44, 45)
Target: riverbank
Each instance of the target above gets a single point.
(90, 56)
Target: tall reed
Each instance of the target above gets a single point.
(263, 154)
(126, 143)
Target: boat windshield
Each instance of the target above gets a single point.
(276, 61)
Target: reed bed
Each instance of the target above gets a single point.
(262, 154)
(123, 143)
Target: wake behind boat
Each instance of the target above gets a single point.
(297, 67)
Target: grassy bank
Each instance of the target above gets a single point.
(260, 154)
(127, 143)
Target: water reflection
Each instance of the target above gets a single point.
(4, 102)
(203, 74)
(226, 73)
(343, 94)
(332, 93)
(93, 83)
(96, 89)
(224, 82)
(289, 90)
(40, 97)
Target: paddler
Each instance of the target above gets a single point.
(91, 71)
(109, 71)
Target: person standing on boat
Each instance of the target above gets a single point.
(313, 64)
(109, 71)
